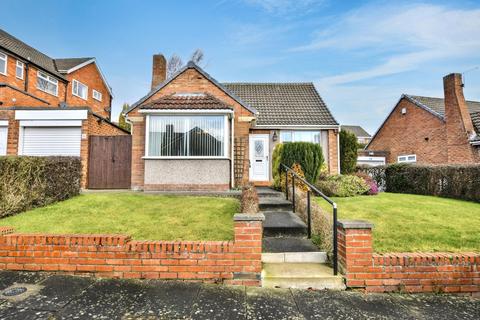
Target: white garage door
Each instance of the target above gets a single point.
(3, 140)
(51, 141)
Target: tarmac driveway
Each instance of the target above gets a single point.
(66, 297)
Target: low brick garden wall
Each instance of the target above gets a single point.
(117, 256)
(403, 272)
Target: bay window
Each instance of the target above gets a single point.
(193, 136)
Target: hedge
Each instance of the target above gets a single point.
(451, 181)
(29, 182)
(348, 152)
(308, 155)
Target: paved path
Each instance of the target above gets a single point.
(65, 297)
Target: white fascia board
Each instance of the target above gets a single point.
(299, 127)
(51, 123)
(186, 111)
(4, 123)
(51, 114)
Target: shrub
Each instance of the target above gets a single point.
(343, 186)
(348, 152)
(29, 182)
(452, 181)
(298, 184)
(377, 173)
(308, 155)
(249, 201)
(276, 161)
(373, 188)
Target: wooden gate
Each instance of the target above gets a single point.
(109, 162)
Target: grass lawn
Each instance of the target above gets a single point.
(404, 222)
(143, 216)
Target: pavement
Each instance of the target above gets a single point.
(50, 296)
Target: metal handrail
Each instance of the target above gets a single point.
(309, 217)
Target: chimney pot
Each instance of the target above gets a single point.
(159, 70)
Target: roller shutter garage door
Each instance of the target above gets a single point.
(51, 141)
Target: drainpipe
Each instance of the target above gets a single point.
(26, 76)
(232, 168)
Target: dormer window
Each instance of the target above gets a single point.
(3, 63)
(79, 89)
(19, 69)
(97, 95)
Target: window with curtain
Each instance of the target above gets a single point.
(187, 136)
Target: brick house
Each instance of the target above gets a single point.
(431, 130)
(51, 106)
(191, 132)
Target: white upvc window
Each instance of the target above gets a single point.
(409, 158)
(19, 69)
(79, 89)
(187, 136)
(96, 95)
(47, 83)
(299, 136)
(3, 63)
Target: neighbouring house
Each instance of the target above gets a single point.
(431, 130)
(363, 137)
(51, 106)
(191, 132)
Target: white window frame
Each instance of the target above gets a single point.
(99, 95)
(20, 64)
(4, 57)
(50, 79)
(225, 145)
(292, 133)
(76, 93)
(405, 158)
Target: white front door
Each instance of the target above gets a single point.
(3, 140)
(259, 162)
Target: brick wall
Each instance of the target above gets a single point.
(117, 256)
(333, 152)
(403, 272)
(90, 76)
(415, 132)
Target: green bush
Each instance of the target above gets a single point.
(308, 155)
(451, 181)
(377, 173)
(348, 152)
(276, 170)
(343, 186)
(28, 182)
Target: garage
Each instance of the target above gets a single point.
(51, 141)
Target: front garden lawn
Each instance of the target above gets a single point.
(142, 216)
(405, 222)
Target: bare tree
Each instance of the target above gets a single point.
(197, 56)
(174, 64)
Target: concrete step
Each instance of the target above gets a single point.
(283, 223)
(274, 204)
(300, 276)
(266, 192)
(288, 244)
(294, 257)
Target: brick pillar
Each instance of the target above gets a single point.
(333, 152)
(355, 251)
(138, 151)
(248, 249)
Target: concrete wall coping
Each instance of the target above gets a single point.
(354, 224)
(248, 217)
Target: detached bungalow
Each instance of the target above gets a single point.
(191, 132)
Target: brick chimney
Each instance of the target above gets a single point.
(459, 126)
(159, 70)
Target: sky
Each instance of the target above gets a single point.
(361, 55)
